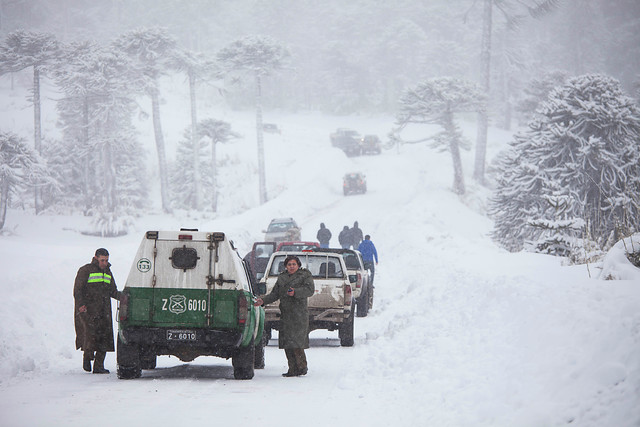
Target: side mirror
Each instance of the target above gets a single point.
(261, 288)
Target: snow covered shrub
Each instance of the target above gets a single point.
(622, 262)
(583, 146)
(110, 224)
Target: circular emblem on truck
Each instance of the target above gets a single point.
(144, 265)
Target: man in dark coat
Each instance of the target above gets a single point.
(293, 287)
(93, 289)
(344, 238)
(356, 235)
(323, 236)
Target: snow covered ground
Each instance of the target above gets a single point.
(462, 333)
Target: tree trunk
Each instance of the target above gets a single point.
(454, 149)
(214, 180)
(162, 158)
(86, 161)
(37, 132)
(195, 141)
(109, 178)
(261, 168)
(4, 200)
(485, 76)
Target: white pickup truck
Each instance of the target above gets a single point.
(332, 305)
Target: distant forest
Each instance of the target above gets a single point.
(355, 56)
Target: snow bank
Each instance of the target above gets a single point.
(616, 265)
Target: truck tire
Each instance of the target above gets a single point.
(148, 361)
(243, 362)
(258, 361)
(128, 360)
(362, 306)
(345, 332)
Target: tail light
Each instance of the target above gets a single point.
(359, 281)
(243, 309)
(347, 295)
(123, 307)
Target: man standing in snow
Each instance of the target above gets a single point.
(293, 287)
(344, 238)
(93, 289)
(369, 252)
(356, 235)
(323, 236)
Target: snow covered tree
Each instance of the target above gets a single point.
(258, 56)
(584, 145)
(101, 168)
(18, 167)
(538, 90)
(535, 8)
(152, 52)
(23, 49)
(182, 179)
(436, 101)
(196, 66)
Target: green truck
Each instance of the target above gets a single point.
(188, 294)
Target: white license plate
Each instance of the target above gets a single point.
(183, 335)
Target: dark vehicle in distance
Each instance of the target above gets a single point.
(282, 230)
(370, 144)
(271, 128)
(258, 258)
(354, 183)
(348, 140)
(296, 246)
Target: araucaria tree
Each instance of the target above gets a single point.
(18, 164)
(436, 101)
(152, 52)
(258, 56)
(534, 8)
(101, 172)
(576, 170)
(196, 66)
(184, 192)
(23, 49)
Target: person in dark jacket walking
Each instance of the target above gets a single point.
(93, 289)
(323, 236)
(356, 235)
(344, 238)
(369, 252)
(293, 287)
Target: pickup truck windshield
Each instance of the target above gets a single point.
(320, 266)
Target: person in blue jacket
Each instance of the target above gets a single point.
(369, 253)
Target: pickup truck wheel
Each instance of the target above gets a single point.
(243, 362)
(258, 361)
(128, 359)
(362, 306)
(148, 361)
(345, 333)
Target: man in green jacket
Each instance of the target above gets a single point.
(292, 288)
(93, 289)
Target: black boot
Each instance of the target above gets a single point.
(98, 365)
(86, 360)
